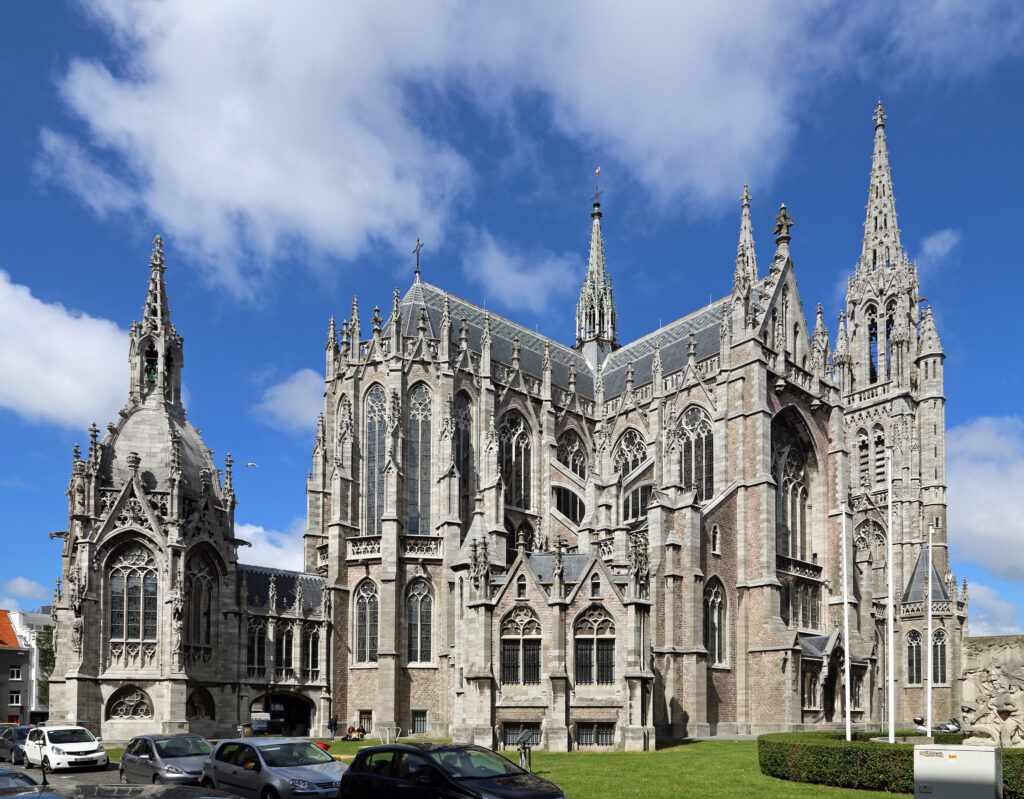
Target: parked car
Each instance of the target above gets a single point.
(12, 743)
(12, 778)
(114, 792)
(439, 771)
(63, 747)
(174, 759)
(273, 768)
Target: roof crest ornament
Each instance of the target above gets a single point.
(416, 252)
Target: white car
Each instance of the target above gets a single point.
(64, 747)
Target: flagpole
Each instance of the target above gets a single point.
(846, 625)
(890, 655)
(929, 637)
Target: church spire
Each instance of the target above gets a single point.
(881, 244)
(746, 258)
(156, 348)
(596, 316)
(156, 313)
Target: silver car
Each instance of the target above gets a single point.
(170, 759)
(273, 768)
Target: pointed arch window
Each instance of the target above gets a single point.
(418, 607)
(310, 652)
(791, 500)
(878, 443)
(872, 345)
(569, 504)
(890, 316)
(417, 460)
(200, 597)
(864, 458)
(133, 596)
(366, 623)
(634, 506)
(631, 452)
(696, 446)
(939, 656)
(520, 647)
(284, 643)
(514, 454)
(594, 647)
(571, 453)
(464, 458)
(376, 436)
(256, 647)
(521, 587)
(913, 658)
(714, 622)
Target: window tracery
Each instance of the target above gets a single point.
(520, 647)
(200, 599)
(130, 702)
(464, 458)
(133, 596)
(714, 622)
(366, 623)
(696, 447)
(791, 499)
(375, 458)
(514, 455)
(571, 453)
(256, 647)
(310, 651)
(939, 656)
(417, 460)
(631, 452)
(913, 658)
(418, 607)
(594, 647)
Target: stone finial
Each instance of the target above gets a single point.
(94, 447)
(572, 379)
(879, 115)
(156, 260)
(545, 364)
(691, 349)
(355, 320)
(963, 591)
(228, 480)
(656, 367)
(332, 335)
(346, 334)
(485, 338)
(133, 460)
(272, 593)
(421, 323)
(77, 453)
(376, 321)
(515, 352)
(396, 303)
(629, 375)
(783, 222)
(463, 334)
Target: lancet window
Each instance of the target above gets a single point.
(571, 453)
(366, 623)
(569, 504)
(310, 652)
(417, 460)
(631, 452)
(594, 639)
(791, 500)
(634, 506)
(464, 458)
(696, 447)
(878, 442)
(520, 647)
(256, 647)
(864, 458)
(284, 641)
(418, 607)
(133, 596)
(200, 599)
(913, 658)
(939, 656)
(714, 622)
(514, 454)
(374, 458)
(872, 318)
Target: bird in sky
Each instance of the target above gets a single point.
(251, 465)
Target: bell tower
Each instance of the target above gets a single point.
(156, 352)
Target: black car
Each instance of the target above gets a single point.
(12, 741)
(440, 771)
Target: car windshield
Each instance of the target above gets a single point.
(16, 780)
(78, 736)
(294, 754)
(473, 764)
(21, 733)
(183, 747)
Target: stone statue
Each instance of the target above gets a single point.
(76, 633)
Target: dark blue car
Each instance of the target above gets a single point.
(441, 771)
(12, 740)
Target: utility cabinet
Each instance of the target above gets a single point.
(958, 772)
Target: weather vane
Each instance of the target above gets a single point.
(597, 188)
(416, 252)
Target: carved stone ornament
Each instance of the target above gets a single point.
(993, 691)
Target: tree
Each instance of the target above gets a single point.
(47, 659)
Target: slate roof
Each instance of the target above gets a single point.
(257, 578)
(574, 563)
(919, 578)
(816, 645)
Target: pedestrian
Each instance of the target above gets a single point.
(332, 725)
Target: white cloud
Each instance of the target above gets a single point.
(985, 465)
(295, 403)
(936, 247)
(24, 588)
(64, 161)
(321, 128)
(517, 280)
(272, 548)
(9, 603)
(58, 365)
(990, 615)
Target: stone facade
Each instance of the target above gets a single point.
(601, 544)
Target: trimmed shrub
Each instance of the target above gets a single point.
(1013, 774)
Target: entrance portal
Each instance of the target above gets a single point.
(289, 714)
(834, 699)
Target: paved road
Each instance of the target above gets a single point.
(67, 779)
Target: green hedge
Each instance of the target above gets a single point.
(826, 758)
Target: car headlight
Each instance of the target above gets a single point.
(302, 785)
(173, 770)
(56, 750)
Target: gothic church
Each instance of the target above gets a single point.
(602, 544)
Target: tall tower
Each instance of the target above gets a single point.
(596, 334)
(890, 373)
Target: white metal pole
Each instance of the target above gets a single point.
(846, 626)
(928, 641)
(890, 653)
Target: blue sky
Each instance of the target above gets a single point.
(290, 160)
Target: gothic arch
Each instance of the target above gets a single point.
(374, 457)
(692, 450)
(129, 702)
(630, 451)
(365, 621)
(200, 705)
(515, 459)
(799, 485)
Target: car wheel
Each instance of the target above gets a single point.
(124, 777)
(157, 780)
(269, 793)
(45, 766)
(206, 782)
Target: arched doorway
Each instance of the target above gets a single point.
(290, 714)
(834, 688)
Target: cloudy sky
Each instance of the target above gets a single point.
(291, 154)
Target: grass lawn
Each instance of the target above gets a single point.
(697, 768)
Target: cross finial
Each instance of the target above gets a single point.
(783, 222)
(597, 188)
(416, 252)
(746, 198)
